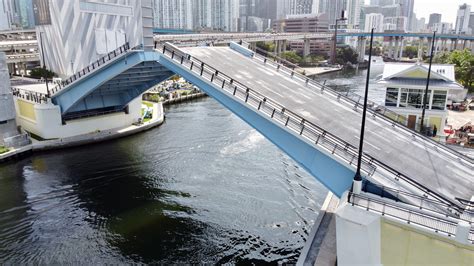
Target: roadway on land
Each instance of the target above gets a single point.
(397, 148)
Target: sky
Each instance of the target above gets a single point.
(447, 8)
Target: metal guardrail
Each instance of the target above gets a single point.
(32, 96)
(408, 215)
(297, 124)
(92, 67)
(356, 101)
(420, 202)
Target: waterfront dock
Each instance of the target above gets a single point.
(89, 138)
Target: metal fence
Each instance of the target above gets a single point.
(32, 96)
(411, 216)
(292, 121)
(90, 68)
(420, 202)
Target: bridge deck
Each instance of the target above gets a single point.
(395, 148)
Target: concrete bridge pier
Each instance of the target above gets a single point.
(400, 54)
(280, 46)
(276, 49)
(421, 45)
(306, 48)
(252, 46)
(390, 47)
(361, 48)
(444, 45)
(452, 45)
(396, 49)
(470, 46)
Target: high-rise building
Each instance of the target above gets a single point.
(443, 27)
(419, 25)
(302, 23)
(434, 18)
(471, 23)
(220, 15)
(353, 8)
(24, 12)
(462, 19)
(173, 14)
(396, 23)
(406, 10)
(332, 8)
(298, 7)
(4, 16)
(375, 21)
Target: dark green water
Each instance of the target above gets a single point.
(354, 81)
(202, 188)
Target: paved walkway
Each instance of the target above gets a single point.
(459, 119)
(437, 170)
(320, 248)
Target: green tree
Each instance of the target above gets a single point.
(410, 51)
(291, 56)
(463, 61)
(267, 46)
(376, 51)
(346, 55)
(41, 72)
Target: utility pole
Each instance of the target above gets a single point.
(427, 85)
(357, 184)
(334, 49)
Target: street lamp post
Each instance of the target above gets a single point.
(333, 54)
(357, 184)
(427, 85)
(44, 64)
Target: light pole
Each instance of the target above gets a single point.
(44, 64)
(333, 54)
(427, 84)
(357, 184)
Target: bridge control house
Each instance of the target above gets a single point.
(406, 84)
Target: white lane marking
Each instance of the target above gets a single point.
(368, 143)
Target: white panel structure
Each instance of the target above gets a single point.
(80, 29)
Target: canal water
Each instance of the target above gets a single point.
(354, 80)
(202, 188)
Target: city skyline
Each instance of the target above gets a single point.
(423, 8)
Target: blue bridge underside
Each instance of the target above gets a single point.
(113, 87)
(336, 176)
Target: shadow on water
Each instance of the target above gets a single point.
(202, 188)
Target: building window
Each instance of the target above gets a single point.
(439, 100)
(403, 97)
(415, 98)
(391, 97)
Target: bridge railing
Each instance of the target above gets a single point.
(420, 202)
(297, 124)
(32, 96)
(356, 101)
(430, 220)
(92, 67)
